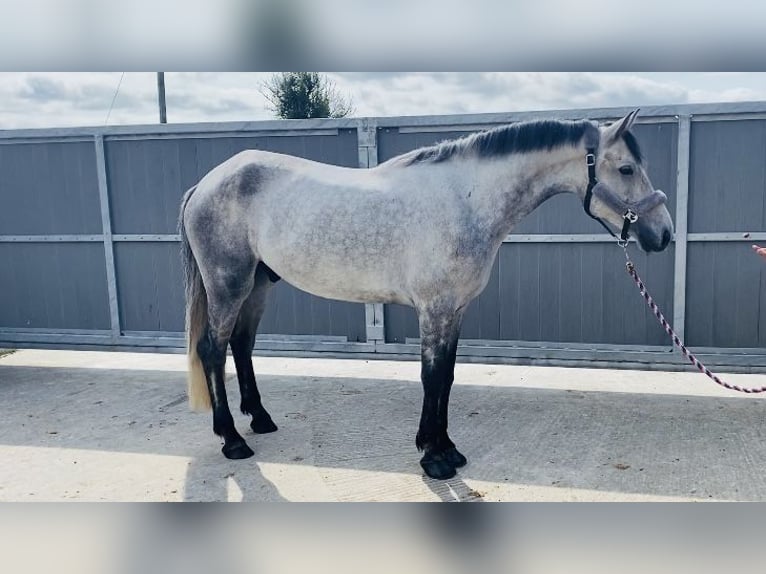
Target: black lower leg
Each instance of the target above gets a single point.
(241, 349)
(430, 438)
(432, 432)
(242, 341)
(212, 353)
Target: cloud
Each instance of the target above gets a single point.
(445, 93)
(71, 99)
(42, 89)
(58, 99)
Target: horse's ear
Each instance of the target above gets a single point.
(615, 130)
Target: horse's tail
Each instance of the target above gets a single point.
(196, 318)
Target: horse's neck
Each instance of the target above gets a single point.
(516, 185)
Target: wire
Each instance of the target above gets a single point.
(117, 91)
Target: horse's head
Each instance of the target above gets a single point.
(624, 185)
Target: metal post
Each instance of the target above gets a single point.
(367, 138)
(161, 97)
(681, 231)
(106, 226)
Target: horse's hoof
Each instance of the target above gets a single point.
(454, 457)
(263, 424)
(436, 466)
(237, 450)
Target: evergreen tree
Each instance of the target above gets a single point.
(300, 95)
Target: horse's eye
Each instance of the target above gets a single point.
(626, 170)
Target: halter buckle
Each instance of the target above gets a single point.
(630, 216)
(590, 159)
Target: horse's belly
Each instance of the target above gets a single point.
(333, 257)
(332, 276)
(356, 296)
(357, 292)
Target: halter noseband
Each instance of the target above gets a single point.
(630, 211)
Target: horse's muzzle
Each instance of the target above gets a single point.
(651, 241)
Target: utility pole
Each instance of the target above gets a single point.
(161, 97)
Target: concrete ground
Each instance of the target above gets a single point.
(115, 426)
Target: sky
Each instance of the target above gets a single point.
(39, 100)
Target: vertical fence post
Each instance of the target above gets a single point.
(106, 227)
(681, 230)
(367, 138)
(161, 97)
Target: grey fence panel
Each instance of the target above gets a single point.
(53, 286)
(560, 292)
(727, 183)
(292, 312)
(726, 296)
(147, 177)
(150, 286)
(726, 287)
(53, 186)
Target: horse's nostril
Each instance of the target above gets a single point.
(665, 238)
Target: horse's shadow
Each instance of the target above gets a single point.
(452, 490)
(214, 479)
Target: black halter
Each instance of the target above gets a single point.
(630, 216)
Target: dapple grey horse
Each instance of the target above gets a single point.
(421, 229)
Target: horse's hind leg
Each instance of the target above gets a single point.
(226, 292)
(439, 331)
(242, 341)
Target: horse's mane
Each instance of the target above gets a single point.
(513, 138)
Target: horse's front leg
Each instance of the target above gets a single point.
(439, 331)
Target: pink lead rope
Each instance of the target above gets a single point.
(631, 268)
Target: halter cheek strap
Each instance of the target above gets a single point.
(630, 211)
(590, 160)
